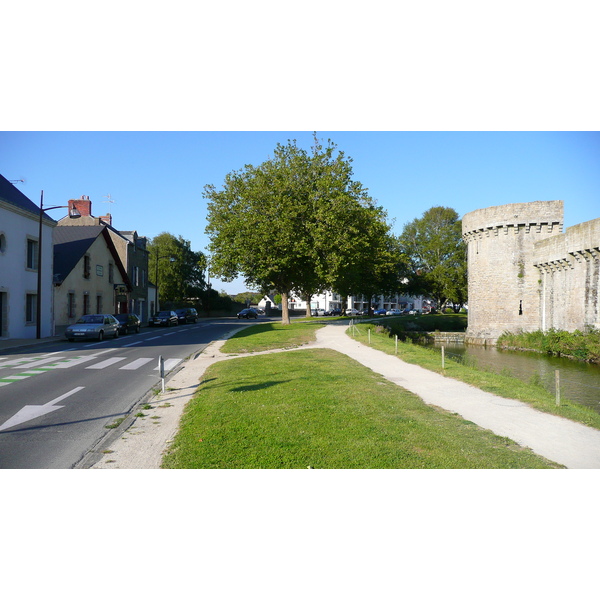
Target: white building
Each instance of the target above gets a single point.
(330, 300)
(19, 243)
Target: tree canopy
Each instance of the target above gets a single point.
(437, 256)
(294, 223)
(178, 279)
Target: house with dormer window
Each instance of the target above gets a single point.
(89, 276)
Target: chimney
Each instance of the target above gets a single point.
(107, 219)
(83, 205)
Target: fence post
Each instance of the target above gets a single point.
(396, 343)
(369, 330)
(557, 386)
(161, 368)
(443, 361)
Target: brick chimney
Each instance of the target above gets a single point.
(107, 218)
(83, 205)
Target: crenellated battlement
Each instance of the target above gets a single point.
(526, 274)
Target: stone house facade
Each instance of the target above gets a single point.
(89, 276)
(133, 253)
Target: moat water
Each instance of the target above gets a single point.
(579, 381)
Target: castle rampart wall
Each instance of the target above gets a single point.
(569, 271)
(504, 288)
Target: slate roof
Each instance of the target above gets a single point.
(12, 195)
(71, 243)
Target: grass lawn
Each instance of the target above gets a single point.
(271, 336)
(319, 408)
(501, 385)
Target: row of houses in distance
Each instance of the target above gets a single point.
(87, 266)
(329, 301)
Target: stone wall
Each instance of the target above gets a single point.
(503, 281)
(569, 275)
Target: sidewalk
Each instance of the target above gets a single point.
(568, 443)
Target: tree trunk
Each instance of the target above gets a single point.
(308, 301)
(285, 311)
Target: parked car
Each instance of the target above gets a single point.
(335, 312)
(164, 317)
(319, 312)
(247, 313)
(394, 312)
(351, 312)
(93, 326)
(128, 322)
(381, 312)
(187, 315)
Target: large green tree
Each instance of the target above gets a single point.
(179, 269)
(437, 256)
(288, 224)
(374, 264)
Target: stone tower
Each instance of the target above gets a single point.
(504, 284)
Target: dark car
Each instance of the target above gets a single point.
(128, 323)
(187, 315)
(164, 317)
(247, 313)
(93, 326)
(380, 312)
(336, 312)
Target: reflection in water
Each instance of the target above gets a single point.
(579, 381)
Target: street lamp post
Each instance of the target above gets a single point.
(73, 214)
(171, 259)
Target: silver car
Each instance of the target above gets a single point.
(93, 326)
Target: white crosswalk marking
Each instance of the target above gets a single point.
(136, 364)
(170, 363)
(106, 363)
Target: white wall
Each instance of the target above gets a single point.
(16, 281)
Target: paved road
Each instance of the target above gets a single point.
(56, 401)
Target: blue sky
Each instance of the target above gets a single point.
(155, 180)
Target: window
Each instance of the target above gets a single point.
(32, 254)
(30, 308)
(99, 304)
(99, 270)
(2, 243)
(86, 304)
(71, 305)
(136, 274)
(86, 267)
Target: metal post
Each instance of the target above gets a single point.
(557, 386)
(38, 300)
(443, 361)
(396, 343)
(161, 369)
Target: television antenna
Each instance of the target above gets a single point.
(13, 181)
(109, 199)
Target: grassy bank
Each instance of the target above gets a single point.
(271, 336)
(501, 385)
(320, 409)
(576, 344)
